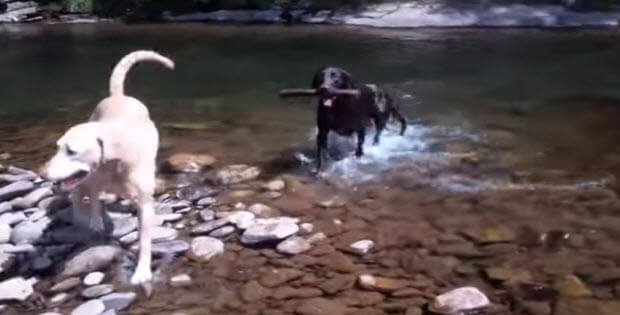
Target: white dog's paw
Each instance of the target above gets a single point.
(141, 276)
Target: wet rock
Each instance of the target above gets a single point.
(362, 247)
(180, 280)
(195, 193)
(604, 275)
(263, 211)
(5, 207)
(36, 215)
(66, 285)
(338, 283)
(92, 259)
(92, 307)
(5, 233)
(118, 301)
(572, 306)
(306, 228)
(382, 284)
(278, 230)
(58, 299)
(537, 307)
(186, 162)
(207, 215)
(317, 237)
(459, 300)
(234, 174)
(407, 292)
(463, 250)
(275, 185)
(320, 306)
(93, 278)
(338, 262)
(253, 291)
(414, 311)
(16, 289)
(294, 245)
(15, 189)
(27, 232)
(7, 261)
(41, 263)
(12, 218)
(171, 217)
(205, 228)
(129, 238)
(358, 298)
(222, 232)
(97, 291)
(491, 234)
(32, 198)
(170, 248)
(162, 234)
(124, 226)
(206, 202)
(241, 219)
(277, 277)
(508, 274)
(287, 292)
(571, 286)
(204, 248)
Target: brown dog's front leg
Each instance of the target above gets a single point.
(361, 135)
(321, 146)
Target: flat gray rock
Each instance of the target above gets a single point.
(16, 289)
(234, 174)
(161, 234)
(15, 189)
(174, 247)
(28, 232)
(66, 285)
(92, 259)
(92, 307)
(222, 232)
(294, 245)
(5, 233)
(12, 218)
(124, 226)
(97, 291)
(203, 248)
(6, 262)
(207, 215)
(5, 206)
(118, 301)
(206, 201)
(205, 228)
(31, 199)
(277, 230)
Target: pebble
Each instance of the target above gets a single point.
(223, 231)
(171, 217)
(275, 185)
(206, 201)
(93, 278)
(317, 237)
(370, 282)
(205, 228)
(174, 247)
(5, 233)
(207, 215)
(187, 162)
(66, 285)
(294, 245)
(92, 259)
(32, 198)
(6, 261)
(306, 228)
(263, 211)
(180, 280)
(118, 301)
(277, 277)
(15, 189)
(97, 291)
(241, 219)
(253, 292)
(362, 247)
(459, 300)
(124, 226)
(320, 306)
(161, 234)
(16, 289)
(37, 215)
(27, 231)
(58, 299)
(268, 232)
(92, 307)
(203, 248)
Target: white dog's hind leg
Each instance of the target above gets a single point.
(143, 196)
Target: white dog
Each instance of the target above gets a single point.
(115, 153)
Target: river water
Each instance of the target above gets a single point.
(491, 112)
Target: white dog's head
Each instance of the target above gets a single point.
(80, 152)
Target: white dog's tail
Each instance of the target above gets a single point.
(117, 80)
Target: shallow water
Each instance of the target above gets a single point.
(524, 119)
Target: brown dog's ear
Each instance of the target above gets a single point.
(318, 78)
(101, 151)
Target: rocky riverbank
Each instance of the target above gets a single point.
(410, 14)
(231, 241)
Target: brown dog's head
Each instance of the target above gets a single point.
(327, 79)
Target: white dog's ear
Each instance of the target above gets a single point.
(101, 158)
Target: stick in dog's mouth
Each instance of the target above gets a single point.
(72, 181)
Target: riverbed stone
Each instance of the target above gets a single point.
(205, 228)
(573, 306)
(5, 233)
(362, 247)
(263, 211)
(188, 162)
(15, 189)
(268, 232)
(491, 234)
(31, 199)
(162, 234)
(339, 262)
(275, 185)
(93, 278)
(5, 206)
(180, 280)
(241, 219)
(92, 259)
(382, 284)
(338, 283)
(28, 232)
(320, 306)
(66, 285)
(508, 274)
(58, 299)
(12, 218)
(203, 248)
(294, 245)
(124, 226)
(459, 300)
(167, 248)
(91, 307)
(277, 277)
(207, 215)
(16, 289)
(194, 193)
(235, 174)
(572, 286)
(118, 301)
(223, 231)
(253, 292)
(97, 291)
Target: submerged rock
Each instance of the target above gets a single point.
(253, 292)
(294, 245)
(187, 162)
(275, 185)
(118, 301)
(93, 259)
(459, 300)
(320, 306)
(234, 174)
(5, 233)
(277, 230)
(174, 247)
(370, 282)
(204, 248)
(241, 219)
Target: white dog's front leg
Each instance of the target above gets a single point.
(143, 270)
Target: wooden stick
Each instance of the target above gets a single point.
(314, 92)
